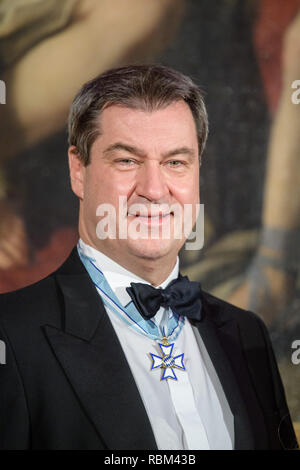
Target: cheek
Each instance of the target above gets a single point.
(187, 192)
(106, 187)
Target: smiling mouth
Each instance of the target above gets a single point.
(153, 219)
(150, 216)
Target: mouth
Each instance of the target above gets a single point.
(148, 218)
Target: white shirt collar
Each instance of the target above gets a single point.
(117, 276)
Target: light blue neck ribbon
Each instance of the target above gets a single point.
(129, 314)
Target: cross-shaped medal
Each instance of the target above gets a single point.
(167, 362)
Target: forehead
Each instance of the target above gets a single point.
(170, 126)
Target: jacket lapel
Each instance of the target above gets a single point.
(91, 356)
(219, 339)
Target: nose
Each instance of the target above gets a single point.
(151, 182)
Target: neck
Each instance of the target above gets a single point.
(153, 270)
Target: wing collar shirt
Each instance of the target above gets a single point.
(191, 413)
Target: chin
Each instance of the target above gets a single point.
(154, 249)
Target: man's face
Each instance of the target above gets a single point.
(150, 159)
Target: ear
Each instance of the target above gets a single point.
(77, 171)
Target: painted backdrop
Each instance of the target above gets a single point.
(246, 56)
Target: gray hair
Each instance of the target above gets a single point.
(145, 87)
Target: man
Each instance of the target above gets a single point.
(117, 350)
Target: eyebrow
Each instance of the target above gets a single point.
(126, 147)
(181, 151)
(140, 153)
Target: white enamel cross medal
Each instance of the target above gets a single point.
(167, 362)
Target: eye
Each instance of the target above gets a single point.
(126, 161)
(175, 163)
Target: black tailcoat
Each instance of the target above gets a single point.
(66, 383)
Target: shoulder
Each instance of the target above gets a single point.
(223, 311)
(30, 305)
(37, 302)
(250, 325)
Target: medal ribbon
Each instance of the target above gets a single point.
(129, 314)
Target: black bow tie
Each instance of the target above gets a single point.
(181, 295)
